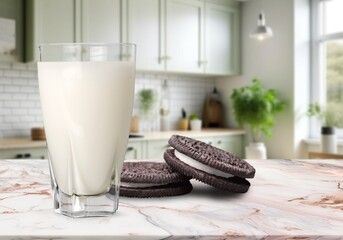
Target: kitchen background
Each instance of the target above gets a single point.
(20, 108)
(282, 62)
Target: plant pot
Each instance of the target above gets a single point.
(134, 124)
(328, 140)
(256, 150)
(183, 124)
(196, 125)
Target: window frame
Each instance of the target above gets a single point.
(318, 71)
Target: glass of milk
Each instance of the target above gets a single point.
(87, 93)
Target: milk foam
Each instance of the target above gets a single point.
(87, 107)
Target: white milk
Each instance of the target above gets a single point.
(87, 108)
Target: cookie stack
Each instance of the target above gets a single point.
(188, 159)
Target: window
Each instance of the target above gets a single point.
(327, 56)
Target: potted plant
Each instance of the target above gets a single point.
(329, 118)
(195, 122)
(147, 100)
(256, 107)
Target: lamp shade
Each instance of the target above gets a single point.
(262, 31)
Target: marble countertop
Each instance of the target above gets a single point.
(296, 199)
(26, 142)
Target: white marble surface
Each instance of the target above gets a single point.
(288, 199)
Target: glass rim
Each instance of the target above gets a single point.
(86, 44)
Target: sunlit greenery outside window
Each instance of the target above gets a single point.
(327, 56)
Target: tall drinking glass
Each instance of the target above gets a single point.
(87, 93)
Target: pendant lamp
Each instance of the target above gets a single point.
(262, 31)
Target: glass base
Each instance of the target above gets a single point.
(86, 206)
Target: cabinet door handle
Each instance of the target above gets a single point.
(164, 58)
(210, 143)
(129, 149)
(18, 156)
(219, 142)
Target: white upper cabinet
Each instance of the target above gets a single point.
(100, 21)
(221, 40)
(143, 27)
(184, 30)
(48, 21)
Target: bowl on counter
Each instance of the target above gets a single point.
(38, 134)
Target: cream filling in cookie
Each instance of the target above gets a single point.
(200, 166)
(139, 185)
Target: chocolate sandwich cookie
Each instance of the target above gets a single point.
(147, 179)
(209, 164)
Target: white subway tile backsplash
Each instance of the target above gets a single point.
(11, 89)
(5, 126)
(28, 89)
(27, 118)
(28, 74)
(11, 119)
(19, 96)
(184, 92)
(5, 81)
(11, 73)
(20, 126)
(5, 65)
(19, 111)
(19, 81)
(39, 119)
(12, 104)
(5, 111)
(19, 66)
(20, 107)
(33, 82)
(35, 112)
(33, 96)
(31, 66)
(27, 104)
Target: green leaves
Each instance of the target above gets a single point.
(146, 98)
(331, 116)
(255, 106)
(193, 116)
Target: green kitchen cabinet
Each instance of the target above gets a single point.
(100, 21)
(68, 21)
(181, 36)
(21, 153)
(134, 150)
(155, 149)
(184, 35)
(49, 21)
(143, 25)
(230, 143)
(222, 54)
(11, 11)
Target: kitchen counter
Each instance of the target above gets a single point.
(287, 199)
(12, 143)
(20, 142)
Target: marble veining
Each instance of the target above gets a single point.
(288, 199)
